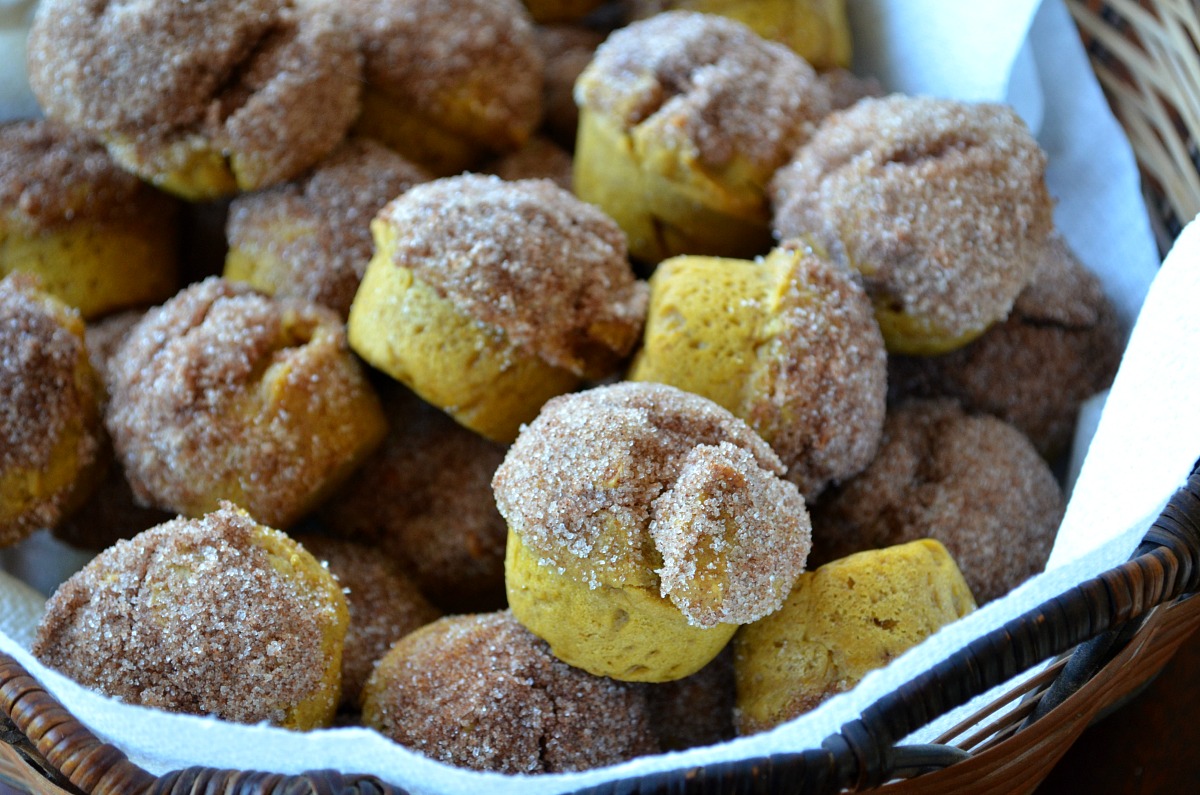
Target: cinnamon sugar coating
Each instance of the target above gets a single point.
(311, 238)
(384, 606)
(940, 204)
(471, 67)
(539, 158)
(51, 175)
(269, 87)
(972, 482)
(708, 84)
(528, 258)
(425, 500)
(223, 393)
(1060, 345)
(481, 691)
(628, 483)
(49, 410)
(199, 616)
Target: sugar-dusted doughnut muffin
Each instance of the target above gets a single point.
(384, 606)
(788, 342)
(202, 99)
(566, 52)
(645, 524)
(973, 482)
(50, 432)
(481, 691)
(539, 158)
(216, 615)
(488, 297)
(816, 29)
(226, 394)
(424, 499)
(840, 622)
(97, 237)
(683, 118)
(1060, 345)
(111, 512)
(311, 238)
(941, 205)
(446, 82)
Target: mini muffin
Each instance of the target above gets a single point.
(546, 11)
(489, 297)
(480, 691)
(225, 394)
(201, 99)
(816, 29)
(941, 205)
(972, 482)
(384, 606)
(97, 237)
(696, 710)
(50, 432)
(788, 343)
(311, 238)
(424, 499)
(111, 513)
(645, 524)
(1060, 345)
(447, 83)
(841, 622)
(211, 616)
(566, 52)
(539, 158)
(683, 118)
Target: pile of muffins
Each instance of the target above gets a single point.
(542, 385)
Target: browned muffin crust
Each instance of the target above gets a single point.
(42, 398)
(179, 387)
(566, 51)
(335, 203)
(528, 258)
(1060, 345)
(50, 175)
(384, 606)
(710, 84)
(972, 482)
(433, 55)
(425, 499)
(481, 691)
(605, 484)
(189, 616)
(940, 204)
(259, 79)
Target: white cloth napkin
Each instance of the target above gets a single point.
(1023, 52)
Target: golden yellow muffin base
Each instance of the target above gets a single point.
(627, 632)
(257, 265)
(98, 266)
(663, 198)
(439, 145)
(400, 325)
(190, 168)
(817, 30)
(840, 622)
(916, 336)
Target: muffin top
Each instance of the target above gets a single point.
(526, 257)
(706, 83)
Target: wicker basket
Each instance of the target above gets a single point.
(1110, 635)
